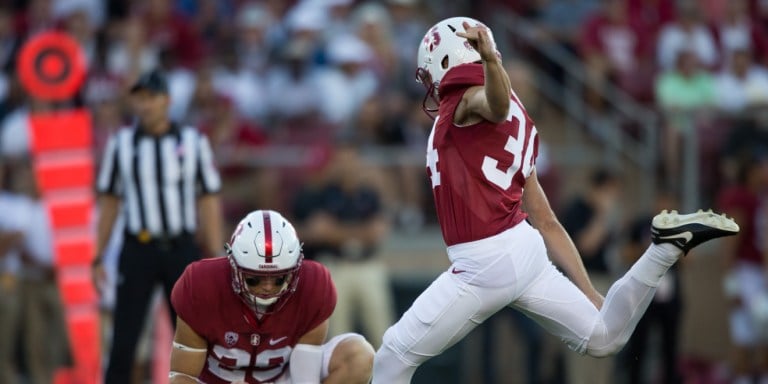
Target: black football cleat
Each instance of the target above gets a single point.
(689, 230)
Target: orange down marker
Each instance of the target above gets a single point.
(52, 67)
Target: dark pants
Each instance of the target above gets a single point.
(666, 318)
(141, 267)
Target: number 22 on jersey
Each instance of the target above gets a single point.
(515, 145)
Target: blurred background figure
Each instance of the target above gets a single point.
(592, 220)
(742, 83)
(343, 224)
(161, 176)
(687, 32)
(12, 228)
(663, 316)
(685, 94)
(44, 337)
(746, 280)
(616, 50)
(348, 82)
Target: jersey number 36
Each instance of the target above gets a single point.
(490, 167)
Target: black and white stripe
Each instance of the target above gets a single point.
(159, 178)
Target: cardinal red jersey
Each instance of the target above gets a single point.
(241, 347)
(478, 171)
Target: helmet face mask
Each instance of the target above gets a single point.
(264, 246)
(431, 101)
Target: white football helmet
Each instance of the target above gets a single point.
(440, 50)
(264, 244)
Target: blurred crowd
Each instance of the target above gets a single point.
(700, 64)
(312, 109)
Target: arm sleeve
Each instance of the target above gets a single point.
(208, 178)
(109, 180)
(306, 364)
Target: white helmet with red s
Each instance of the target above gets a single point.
(264, 244)
(440, 50)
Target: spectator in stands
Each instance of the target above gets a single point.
(339, 13)
(44, 337)
(77, 21)
(203, 98)
(684, 94)
(294, 79)
(689, 32)
(736, 30)
(305, 23)
(373, 25)
(381, 129)
(663, 314)
(170, 31)
(348, 82)
(686, 87)
(343, 224)
(130, 53)
(408, 28)
(615, 50)
(591, 220)
(651, 15)
(742, 83)
(241, 85)
(207, 21)
(255, 29)
(746, 283)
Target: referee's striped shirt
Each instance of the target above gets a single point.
(159, 178)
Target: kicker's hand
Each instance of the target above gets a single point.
(480, 39)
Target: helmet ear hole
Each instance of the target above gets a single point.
(444, 63)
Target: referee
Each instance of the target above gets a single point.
(162, 176)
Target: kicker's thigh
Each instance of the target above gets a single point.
(560, 307)
(441, 316)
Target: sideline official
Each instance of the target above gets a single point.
(162, 176)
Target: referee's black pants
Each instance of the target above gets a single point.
(141, 267)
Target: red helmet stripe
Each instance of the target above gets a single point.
(267, 238)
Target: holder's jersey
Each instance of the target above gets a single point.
(478, 172)
(240, 346)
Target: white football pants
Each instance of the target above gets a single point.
(512, 269)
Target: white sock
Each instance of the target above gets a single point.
(654, 263)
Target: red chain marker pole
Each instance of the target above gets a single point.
(52, 68)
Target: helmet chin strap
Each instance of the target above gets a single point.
(431, 112)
